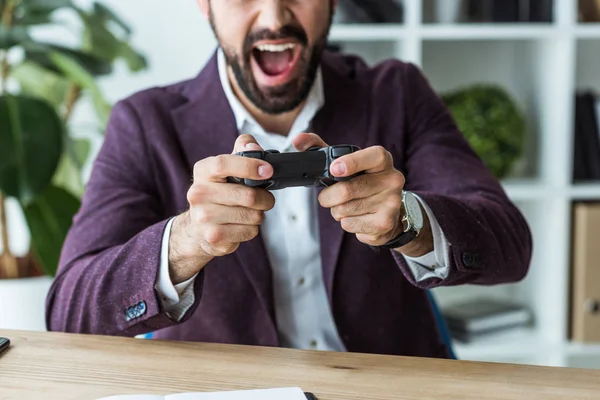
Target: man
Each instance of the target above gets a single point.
(164, 244)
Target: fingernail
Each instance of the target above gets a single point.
(264, 171)
(252, 146)
(338, 169)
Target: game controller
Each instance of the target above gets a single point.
(307, 168)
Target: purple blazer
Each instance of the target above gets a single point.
(110, 260)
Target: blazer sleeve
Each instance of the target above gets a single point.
(489, 240)
(110, 260)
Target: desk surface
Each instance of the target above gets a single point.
(62, 366)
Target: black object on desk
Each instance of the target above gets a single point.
(4, 344)
(310, 396)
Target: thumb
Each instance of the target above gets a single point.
(246, 142)
(305, 141)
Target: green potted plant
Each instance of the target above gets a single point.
(41, 153)
(493, 124)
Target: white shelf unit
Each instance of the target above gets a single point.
(541, 65)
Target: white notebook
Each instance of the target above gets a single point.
(291, 393)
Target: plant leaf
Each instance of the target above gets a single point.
(79, 150)
(68, 174)
(31, 142)
(13, 36)
(76, 73)
(108, 14)
(46, 5)
(33, 17)
(135, 61)
(40, 82)
(40, 54)
(100, 41)
(49, 218)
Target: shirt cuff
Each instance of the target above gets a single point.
(435, 264)
(175, 300)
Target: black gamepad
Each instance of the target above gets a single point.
(308, 168)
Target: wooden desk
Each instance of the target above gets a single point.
(82, 367)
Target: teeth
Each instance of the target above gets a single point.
(274, 48)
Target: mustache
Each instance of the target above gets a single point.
(286, 32)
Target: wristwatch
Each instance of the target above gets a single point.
(412, 220)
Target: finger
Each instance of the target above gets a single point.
(370, 160)
(372, 240)
(218, 168)
(354, 208)
(223, 215)
(246, 142)
(223, 239)
(231, 195)
(389, 203)
(305, 141)
(360, 187)
(379, 224)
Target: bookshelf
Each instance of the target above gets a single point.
(542, 65)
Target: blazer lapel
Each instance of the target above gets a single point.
(342, 120)
(206, 127)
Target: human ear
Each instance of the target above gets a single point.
(204, 7)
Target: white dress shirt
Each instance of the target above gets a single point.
(291, 235)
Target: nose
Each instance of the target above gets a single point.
(274, 14)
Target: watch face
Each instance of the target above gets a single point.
(413, 209)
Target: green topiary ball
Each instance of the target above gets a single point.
(492, 123)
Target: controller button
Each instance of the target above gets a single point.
(337, 152)
(253, 154)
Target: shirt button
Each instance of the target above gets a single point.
(293, 217)
(301, 281)
(313, 344)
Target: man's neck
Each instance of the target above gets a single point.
(280, 124)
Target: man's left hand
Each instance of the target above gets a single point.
(369, 205)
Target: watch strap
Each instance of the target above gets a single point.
(400, 240)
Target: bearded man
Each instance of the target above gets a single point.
(165, 244)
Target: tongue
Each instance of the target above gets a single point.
(274, 63)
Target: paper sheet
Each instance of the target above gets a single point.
(259, 394)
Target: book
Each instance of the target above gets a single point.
(510, 10)
(587, 138)
(484, 315)
(369, 11)
(585, 273)
(289, 393)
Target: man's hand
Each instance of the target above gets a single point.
(221, 215)
(369, 205)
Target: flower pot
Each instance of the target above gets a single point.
(22, 303)
(23, 300)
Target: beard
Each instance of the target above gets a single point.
(282, 98)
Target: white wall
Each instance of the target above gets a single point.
(173, 34)
(177, 41)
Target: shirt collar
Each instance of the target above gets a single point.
(314, 101)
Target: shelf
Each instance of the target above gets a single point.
(585, 191)
(367, 32)
(371, 32)
(488, 32)
(525, 189)
(583, 349)
(521, 344)
(588, 31)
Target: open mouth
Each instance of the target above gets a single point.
(274, 62)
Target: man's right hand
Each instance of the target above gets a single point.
(221, 215)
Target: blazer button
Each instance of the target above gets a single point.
(470, 259)
(142, 308)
